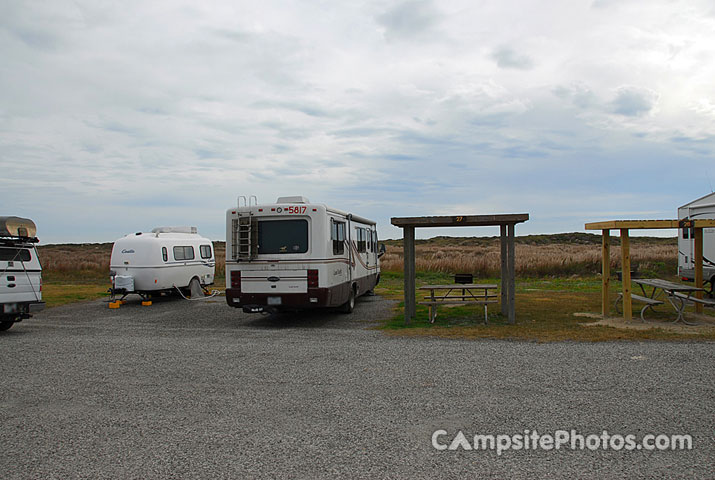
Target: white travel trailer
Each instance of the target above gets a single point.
(20, 271)
(294, 254)
(160, 261)
(702, 208)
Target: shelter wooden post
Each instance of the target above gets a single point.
(408, 225)
(698, 266)
(626, 277)
(504, 271)
(409, 272)
(605, 272)
(511, 266)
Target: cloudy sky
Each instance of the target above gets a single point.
(117, 117)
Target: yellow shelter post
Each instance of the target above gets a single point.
(699, 267)
(626, 267)
(605, 271)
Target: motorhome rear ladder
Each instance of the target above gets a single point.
(245, 237)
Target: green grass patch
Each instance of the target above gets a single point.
(545, 309)
(55, 295)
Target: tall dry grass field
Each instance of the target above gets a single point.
(90, 261)
(76, 262)
(531, 259)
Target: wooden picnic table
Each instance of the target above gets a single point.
(677, 294)
(458, 294)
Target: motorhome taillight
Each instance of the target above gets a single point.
(236, 279)
(312, 279)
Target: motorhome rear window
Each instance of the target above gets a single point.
(14, 254)
(282, 236)
(183, 253)
(205, 251)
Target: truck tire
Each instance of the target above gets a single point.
(5, 325)
(349, 306)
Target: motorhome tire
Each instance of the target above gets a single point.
(5, 325)
(349, 306)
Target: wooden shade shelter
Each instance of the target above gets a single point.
(624, 226)
(505, 222)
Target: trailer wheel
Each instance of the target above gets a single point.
(5, 325)
(349, 306)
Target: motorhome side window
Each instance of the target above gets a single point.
(205, 251)
(164, 254)
(337, 235)
(14, 254)
(183, 253)
(361, 240)
(282, 236)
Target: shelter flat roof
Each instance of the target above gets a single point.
(648, 224)
(460, 220)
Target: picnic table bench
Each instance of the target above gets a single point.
(677, 294)
(708, 302)
(458, 294)
(650, 302)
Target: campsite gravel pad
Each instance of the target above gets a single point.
(199, 390)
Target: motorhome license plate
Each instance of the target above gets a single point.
(274, 300)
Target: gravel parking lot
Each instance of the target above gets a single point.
(199, 390)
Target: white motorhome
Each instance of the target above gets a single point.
(294, 254)
(160, 261)
(702, 208)
(20, 271)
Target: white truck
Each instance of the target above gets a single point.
(294, 254)
(20, 271)
(161, 261)
(702, 208)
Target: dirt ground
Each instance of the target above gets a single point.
(705, 324)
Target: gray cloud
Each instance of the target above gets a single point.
(634, 101)
(507, 57)
(578, 94)
(409, 19)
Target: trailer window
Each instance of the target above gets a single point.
(183, 253)
(685, 233)
(14, 254)
(164, 254)
(205, 251)
(282, 236)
